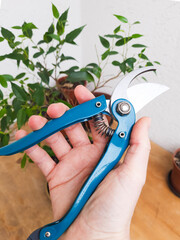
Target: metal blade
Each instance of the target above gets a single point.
(121, 89)
(141, 94)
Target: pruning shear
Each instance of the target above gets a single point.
(124, 104)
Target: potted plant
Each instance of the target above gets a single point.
(174, 174)
(40, 64)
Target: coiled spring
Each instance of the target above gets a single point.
(101, 126)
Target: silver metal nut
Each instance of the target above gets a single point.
(123, 108)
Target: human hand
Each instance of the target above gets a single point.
(108, 213)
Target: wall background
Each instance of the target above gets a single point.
(159, 25)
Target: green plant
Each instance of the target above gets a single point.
(32, 97)
(40, 62)
(122, 51)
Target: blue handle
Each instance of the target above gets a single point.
(109, 159)
(80, 113)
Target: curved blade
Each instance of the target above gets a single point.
(141, 94)
(121, 89)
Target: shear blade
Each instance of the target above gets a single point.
(141, 94)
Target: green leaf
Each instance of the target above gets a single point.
(17, 27)
(1, 95)
(94, 68)
(2, 112)
(130, 62)
(21, 118)
(136, 35)
(51, 28)
(123, 67)
(16, 105)
(157, 62)
(139, 46)
(8, 77)
(95, 65)
(44, 76)
(64, 58)
(70, 37)
(137, 22)
(61, 23)
(116, 63)
(123, 41)
(1, 39)
(23, 161)
(3, 81)
(38, 95)
(121, 18)
(113, 36)
(38, 54)
(48, 150)
(105, 54)
(143, 56)
(80, 76)
(149, 64)
(8, 35)
(19, 92)
(50, 50)
(104, 42)
(63, 17)
(27, 29)
(2, 58)
(4, 123)
(144, 79)
(21, 75)
(113, 53)
(54, 36)
(5, 139)
(55, 11)
(116, 30)
(47, 38)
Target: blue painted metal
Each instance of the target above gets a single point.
(80, 113)
(111, 156)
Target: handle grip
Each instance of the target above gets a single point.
(80, 113)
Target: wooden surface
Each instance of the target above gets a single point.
(25, 206)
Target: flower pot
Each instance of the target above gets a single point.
(174, 174)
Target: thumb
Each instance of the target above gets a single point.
(136, 159)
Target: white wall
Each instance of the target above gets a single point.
(159, 25)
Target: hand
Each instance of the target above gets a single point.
(108, 213)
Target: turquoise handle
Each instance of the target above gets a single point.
(111, 156)
(80, 113)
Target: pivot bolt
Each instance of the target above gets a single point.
(123, 108)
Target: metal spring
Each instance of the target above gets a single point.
(101, 126)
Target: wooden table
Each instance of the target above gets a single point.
(25, 205)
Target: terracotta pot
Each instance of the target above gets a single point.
(174, 175)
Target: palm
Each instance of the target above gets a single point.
(69, 175)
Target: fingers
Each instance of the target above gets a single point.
(136, 159)
(38, 155)
(75, 133)
(56, 141)
(83, 95)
